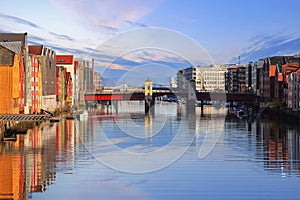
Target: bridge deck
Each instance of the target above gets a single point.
(117, 96)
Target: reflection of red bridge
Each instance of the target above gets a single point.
(120, 96)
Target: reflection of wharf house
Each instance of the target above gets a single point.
(30, 164)
(209, 78)
(65, 140)
(40, 164)
(27, 165)
(12, 182)
(279, 148)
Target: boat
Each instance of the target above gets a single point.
(84, 115)
(240, 113)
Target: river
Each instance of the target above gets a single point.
(169, 154)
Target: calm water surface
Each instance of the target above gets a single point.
(72, 159)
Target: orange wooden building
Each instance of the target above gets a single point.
(9, 81)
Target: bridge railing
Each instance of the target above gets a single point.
(139, 95)
(24, 117)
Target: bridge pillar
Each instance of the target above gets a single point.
(116, 105)
(149, 101)
(108, 103)
(202, 107)
(191, 96)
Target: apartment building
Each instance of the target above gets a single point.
(205, 78)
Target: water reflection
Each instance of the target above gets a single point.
(32, 163)
(138, 142)
(280, 147)
(271, 144)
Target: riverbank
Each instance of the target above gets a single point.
(9, 129)
(281, 115)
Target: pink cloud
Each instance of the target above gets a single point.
(106, 14)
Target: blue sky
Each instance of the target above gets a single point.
(224, 29)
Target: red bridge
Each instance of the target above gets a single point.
(206, 96)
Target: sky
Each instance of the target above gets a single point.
(126, 36)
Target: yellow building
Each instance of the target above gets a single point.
(148, 87)
(9, 81)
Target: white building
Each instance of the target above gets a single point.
(209, 78)
(173, 83)
(213, 78)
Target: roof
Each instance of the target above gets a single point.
(35, 49)
(289, 67)
(13, 46)
(277, 60)
(148, 80)
(294, 65)
(232, 69)
(64, 59)
(6, 56)
(9, 37)
(260, 64)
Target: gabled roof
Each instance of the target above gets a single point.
(6, 56)
(277, 60)
(64, 59)
(35, 49)
(10, 37)
(13, 46)
(289, 67)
